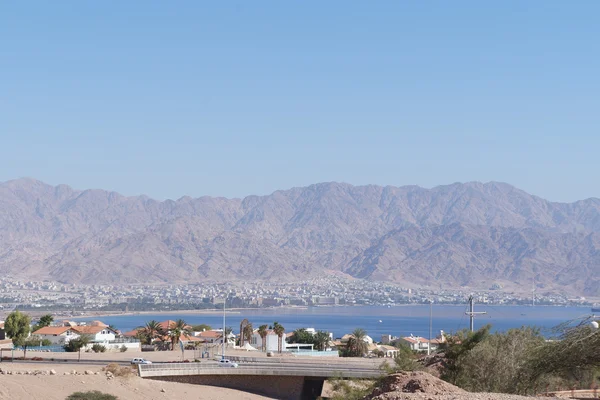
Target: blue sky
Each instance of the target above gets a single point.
(236, 98)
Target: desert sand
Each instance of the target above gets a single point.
(59, 386)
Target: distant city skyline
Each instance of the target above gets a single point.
(236, 99)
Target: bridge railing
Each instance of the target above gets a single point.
(171, 366)
(373, 363)
(315, 353)
(149, 369)
(303, 369)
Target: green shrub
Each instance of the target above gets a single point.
(353, 389)
(98, 348)
(405, 360)
(91, 395)
(123, 349)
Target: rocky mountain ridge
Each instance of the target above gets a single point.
(464, 234)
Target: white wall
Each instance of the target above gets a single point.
(59, 339)
(104, 337)
(270, 342)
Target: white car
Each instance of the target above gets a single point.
(227, 363)
(140, 361)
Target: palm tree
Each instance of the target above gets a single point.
(357, 345)
(176, 330)
(279, 330)
(321, 340)
(228, 332)
(152, 330)
(142, 335)
(248, 331)
(262, 331)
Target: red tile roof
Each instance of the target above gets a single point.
(132, 333)
(190, 338)
(210, 334)
(166, 325)
(52, 330)
(89, 330)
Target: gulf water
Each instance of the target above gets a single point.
(376, 320)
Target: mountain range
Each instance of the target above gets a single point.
(459, 235)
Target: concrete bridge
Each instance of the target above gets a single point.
(300, 380)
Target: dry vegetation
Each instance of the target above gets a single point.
(120, 371)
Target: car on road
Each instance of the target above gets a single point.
(227, 363)
(140, 361)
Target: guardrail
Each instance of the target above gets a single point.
(315, 353)
(374, 362)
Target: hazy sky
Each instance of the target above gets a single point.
(236, 98)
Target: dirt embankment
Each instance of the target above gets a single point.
(56, 382)
(423, 386)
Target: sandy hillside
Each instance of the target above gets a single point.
(16, 386)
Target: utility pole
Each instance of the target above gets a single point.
(471, 313)
(430, 324)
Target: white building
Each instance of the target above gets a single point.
(271, 341)
(215, 336)
(57, 334)
(97, 333)
(367, 339)
(418, 343)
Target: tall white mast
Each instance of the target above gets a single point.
(224, 331)
(430, 323)
(471, 313)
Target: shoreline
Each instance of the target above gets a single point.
(231, 311)
(174, 312)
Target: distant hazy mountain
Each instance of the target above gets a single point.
(470, 234)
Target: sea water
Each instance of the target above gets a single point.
(376, 320)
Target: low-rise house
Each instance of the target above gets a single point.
(59, 335)
(388, 351)
(367, 339)
(271, 340)
(97, 334)
(211, 336)
(387, 339)
(418, 343)
(190, 340)
(435, 343)
(165, 338)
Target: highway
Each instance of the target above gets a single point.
(321, 368)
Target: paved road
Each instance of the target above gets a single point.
(296, 365)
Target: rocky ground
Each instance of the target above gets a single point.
(423, 386)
